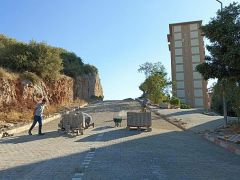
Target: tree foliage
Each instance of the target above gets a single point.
(89, 69)
(73, 65)
(45, 61)
(232, 89)
(223, 33)
(156, 81)
(150, 69)
(175, 101)
(34, 57)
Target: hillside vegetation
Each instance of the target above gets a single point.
(45, 61)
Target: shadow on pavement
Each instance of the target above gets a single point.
(173, 155)
(102, 128)
(27, 138)
(111, 135)
(211, 125)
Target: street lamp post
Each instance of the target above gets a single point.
(223, 86)
(221, 4)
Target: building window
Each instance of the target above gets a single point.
(198, 93)
(177, 36)
(197, 83)
(196, 58)
(178, 51)
(180, 76)
(194, 42)
(183, 100)
(178, 43)
(198, 102)
(194, 34)
(177, 28)
(181, 93)
(193, 27)
(197, 75)
(195, 50)
(179, 59)
(180, 84)
(179, 68)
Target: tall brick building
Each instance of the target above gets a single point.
(187, 51)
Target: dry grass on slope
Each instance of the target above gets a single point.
(8, 74)
(26, 115)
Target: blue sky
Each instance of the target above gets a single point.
(114, 35)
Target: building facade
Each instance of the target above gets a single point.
(187, 51)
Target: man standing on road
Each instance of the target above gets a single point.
(38, 117)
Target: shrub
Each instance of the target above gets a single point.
(39, 58)
(175, 101)
(184, 106)
(45, 61)
(166, 99)
(72, 64)
(93, 97)
(89, 69)
(31, 77)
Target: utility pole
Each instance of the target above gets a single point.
(223, 87)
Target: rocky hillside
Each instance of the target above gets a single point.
(87, 86)
(18, 92)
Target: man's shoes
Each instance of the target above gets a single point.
(29, 133)
(40, 134)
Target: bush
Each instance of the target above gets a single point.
(184, 106)
(89, 69)
(175, 101)
(93, 97)
(166, 99)
(45, 61)
(39, 58)
(72, 65)
(31, 77)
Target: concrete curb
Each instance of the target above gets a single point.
(168, 119)
(229, 146)
(27, 126)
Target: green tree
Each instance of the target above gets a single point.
(45, 60)
(232, 98)
(156, 82)
(223, 32)
(73, 65)
(150, 69)
(90, 69)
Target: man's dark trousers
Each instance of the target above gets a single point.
(35, 120)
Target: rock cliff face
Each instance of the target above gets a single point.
(87, 86)
(22, 93)
(8, 94)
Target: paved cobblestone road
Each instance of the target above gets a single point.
(116, 153)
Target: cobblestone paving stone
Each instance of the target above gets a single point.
(115, 153)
